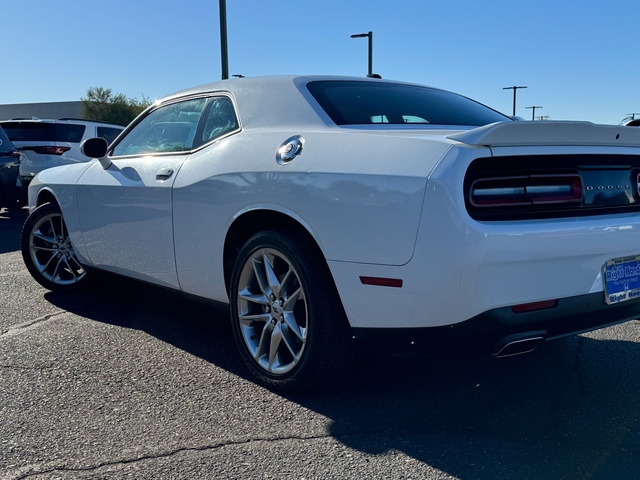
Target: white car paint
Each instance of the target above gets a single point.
(379, 202)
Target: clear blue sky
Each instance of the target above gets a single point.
(579, 59)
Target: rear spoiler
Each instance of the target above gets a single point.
(549, 133)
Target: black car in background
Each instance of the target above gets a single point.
(12, 195)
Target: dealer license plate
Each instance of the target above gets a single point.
(621, 279)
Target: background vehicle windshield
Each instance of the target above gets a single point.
(358, 103)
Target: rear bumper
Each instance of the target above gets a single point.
(500, 332)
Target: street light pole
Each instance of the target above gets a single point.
(224, 51)
(514, 88)
(370, 35)
(533, 115)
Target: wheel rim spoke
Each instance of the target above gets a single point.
(274, 345)
(292, 325)
(45, 238)
(271, 277)
(290, 341)
(263, 346)
(45, 267)
(59, 267)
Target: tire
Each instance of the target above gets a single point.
(287, 318)
(47, 251)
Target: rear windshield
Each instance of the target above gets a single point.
(43, 132)
(358, 103)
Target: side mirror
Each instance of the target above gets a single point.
(96, 148)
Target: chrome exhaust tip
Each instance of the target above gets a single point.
(520, 346)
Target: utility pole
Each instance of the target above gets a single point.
(533, 116)
(514, 88)
(224, 54)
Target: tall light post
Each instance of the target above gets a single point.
(514, 88)
(370, 35)
(533, 115)
(224, 52)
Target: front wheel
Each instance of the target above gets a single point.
(286, 315)
(47, 251)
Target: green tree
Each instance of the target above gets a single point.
(102, 105)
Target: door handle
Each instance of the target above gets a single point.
(164, 174)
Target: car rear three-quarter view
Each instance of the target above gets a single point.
(335, 211)
(525, 236)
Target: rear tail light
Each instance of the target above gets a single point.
(526, 190)
(48, 150)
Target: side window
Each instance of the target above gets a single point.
(108, 133)
(169, 128)
(220, 120)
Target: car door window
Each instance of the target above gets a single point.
(168, 129)
(219, 120)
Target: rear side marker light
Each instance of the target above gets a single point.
(48, 150)
(531, 307)
(382, 281)
(526, 190)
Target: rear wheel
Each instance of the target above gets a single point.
(47, 251)
(286, 315)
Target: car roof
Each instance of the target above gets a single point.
(279, 100)
(239, 83)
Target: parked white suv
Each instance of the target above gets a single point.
(48, 143)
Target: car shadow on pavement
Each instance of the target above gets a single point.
(571, 409)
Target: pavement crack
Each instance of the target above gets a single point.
(25, 326)
(29, 471)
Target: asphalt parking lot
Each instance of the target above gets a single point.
(130, 381)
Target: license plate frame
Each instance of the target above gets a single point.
(621, 279)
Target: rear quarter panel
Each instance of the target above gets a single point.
(359, 194)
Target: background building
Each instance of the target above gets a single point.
(41, 110)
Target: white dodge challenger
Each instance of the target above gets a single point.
(330, 211)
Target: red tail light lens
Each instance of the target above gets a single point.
(48, 150)
(526, 190)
